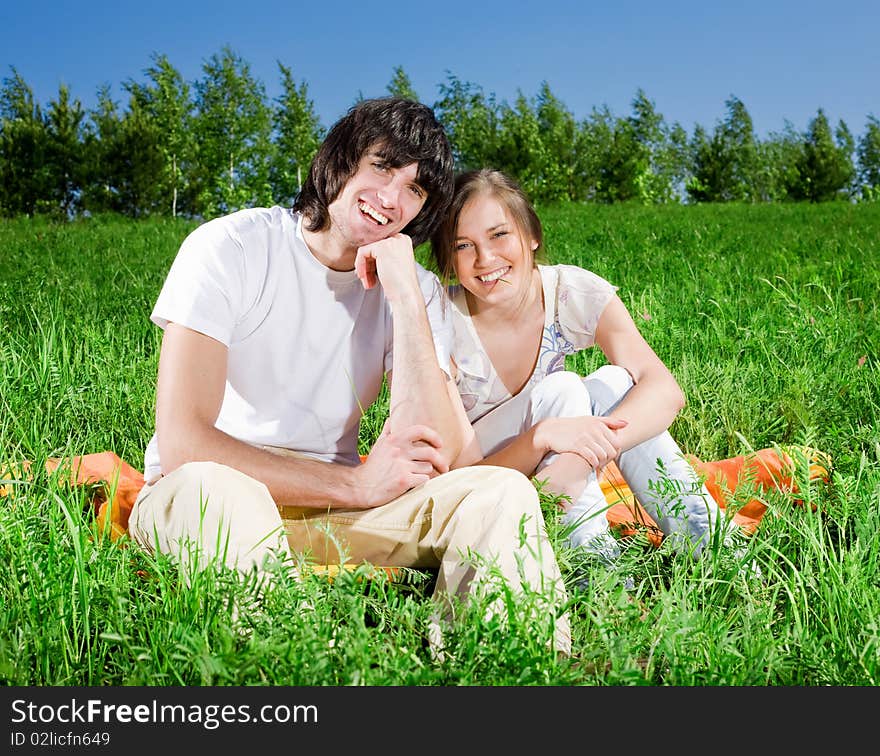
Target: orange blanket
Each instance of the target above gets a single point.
(116, 485)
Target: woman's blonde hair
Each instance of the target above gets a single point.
(507, 191)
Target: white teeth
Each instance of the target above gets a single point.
(376, 216)
(494, 276)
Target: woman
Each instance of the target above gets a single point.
(514, 323)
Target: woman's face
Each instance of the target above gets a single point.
(492, 259)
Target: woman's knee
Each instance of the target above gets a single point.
(607, 386)
(560, 394)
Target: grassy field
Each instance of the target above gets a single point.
(768, 317)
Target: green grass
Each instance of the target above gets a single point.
(767, 315)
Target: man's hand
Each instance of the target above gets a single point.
(397, 462)
(595, 439)
(390, 261)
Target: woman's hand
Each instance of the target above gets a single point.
(594, 439)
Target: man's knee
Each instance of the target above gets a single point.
(194, 491)
(200, 478)
(494, 492)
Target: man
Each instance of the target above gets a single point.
(279, 326)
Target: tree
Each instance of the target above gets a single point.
(125, 160)
(298, 134)
(825, 167)
(593, 141)
(869, 159)
(610, 158)
(233, 125)
(673, 162)
(471, 120)
(64, 152)
(660, 151)
(24, 173)
(704, 180)
(846, 147)
(521, 151)
(401, 86)
(101, 150)
(777, 158)
(738, 135)
(558, 134)
(723, 167)
(166, 102)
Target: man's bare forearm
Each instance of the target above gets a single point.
(291, 480)
(418, 387)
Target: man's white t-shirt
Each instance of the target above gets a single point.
(307, 346)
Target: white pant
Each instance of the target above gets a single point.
(656, 471)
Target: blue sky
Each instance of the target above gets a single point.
(783, 59)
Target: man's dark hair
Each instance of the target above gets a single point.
(402, 132)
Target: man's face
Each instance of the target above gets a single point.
(378, 201)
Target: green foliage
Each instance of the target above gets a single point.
(25, 179)
(767, 316)
(124, 159)
(217, 145)
(869, 159)
(167, 104)
(622, 161)
(470, 118)
(521, 151)
(724, 167)
(64, 153)
(298, 136)
(659, 151)
(401, 86)
(825, 167)
(778, 157)
(233, 127)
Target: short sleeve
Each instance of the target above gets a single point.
(581, 297)
(203, 288)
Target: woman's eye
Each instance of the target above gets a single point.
(499, 233)
(461, 246)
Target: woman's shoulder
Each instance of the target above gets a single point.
(576, 277)
(579, 297)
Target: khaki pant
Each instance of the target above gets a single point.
(206, 511)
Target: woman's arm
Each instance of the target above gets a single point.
(580, 435)
(594, 439)
(656, 399)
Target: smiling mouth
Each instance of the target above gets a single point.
(374, 215)
(495, 275)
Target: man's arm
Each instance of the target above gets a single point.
(191, 383)
(419, 395)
